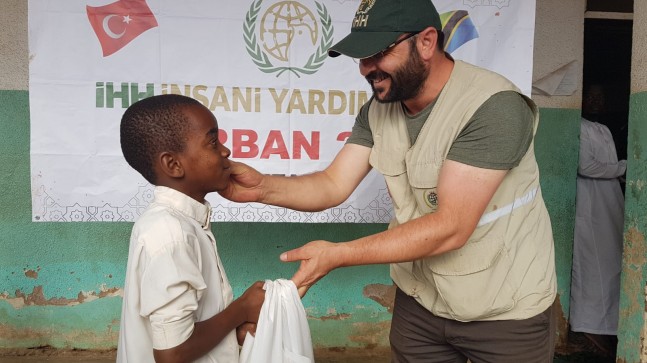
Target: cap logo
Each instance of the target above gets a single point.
(361, 16)
(365, 6)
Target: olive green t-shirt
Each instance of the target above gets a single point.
(496, 137)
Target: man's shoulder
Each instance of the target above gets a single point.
(474, 75)
(463, 66)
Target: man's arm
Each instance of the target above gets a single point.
(311, 192)
(463, 194)
(591, 140)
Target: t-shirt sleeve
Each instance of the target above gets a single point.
(498, 135)
(361, 133)
(171, 284)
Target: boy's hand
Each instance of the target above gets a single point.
(244, 184)
(243, 329)
(252, 300)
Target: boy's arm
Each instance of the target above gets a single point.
(209, 333)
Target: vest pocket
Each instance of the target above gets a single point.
(395, 177)
(473, 281)
(386, 164)
(423, 181)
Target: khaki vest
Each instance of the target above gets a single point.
(506, 269)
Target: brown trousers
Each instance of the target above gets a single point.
(419, 336)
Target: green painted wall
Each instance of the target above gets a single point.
(634, 274)
(557, 149)
(60, 282)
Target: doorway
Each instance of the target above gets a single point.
(607, 62)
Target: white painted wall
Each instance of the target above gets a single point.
(14, 65)
(639, 50)
(559, 39)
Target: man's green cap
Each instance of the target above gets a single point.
(378, 23)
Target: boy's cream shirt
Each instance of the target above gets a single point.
(174, 278)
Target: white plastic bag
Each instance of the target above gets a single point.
(282, 333)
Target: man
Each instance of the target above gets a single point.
(471, 247)
(599, 223)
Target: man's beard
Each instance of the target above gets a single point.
(407, 81)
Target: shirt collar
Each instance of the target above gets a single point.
(186, 205)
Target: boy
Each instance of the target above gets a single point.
(177, 300)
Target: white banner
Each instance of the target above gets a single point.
(261, 66)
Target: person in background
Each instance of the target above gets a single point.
(599, 223)
(178, 305)
(471, 246)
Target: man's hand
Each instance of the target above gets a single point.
(244, 184)
(317, 258)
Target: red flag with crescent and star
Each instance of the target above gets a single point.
(118, 23)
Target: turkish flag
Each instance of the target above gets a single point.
(117, 24)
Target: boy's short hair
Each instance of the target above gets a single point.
(151, 126)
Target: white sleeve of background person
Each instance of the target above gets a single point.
(282, 333)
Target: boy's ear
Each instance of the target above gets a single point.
(170, 165)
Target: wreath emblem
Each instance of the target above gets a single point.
(261, 59)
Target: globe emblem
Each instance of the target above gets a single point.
(288, 33)
(285, 22)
